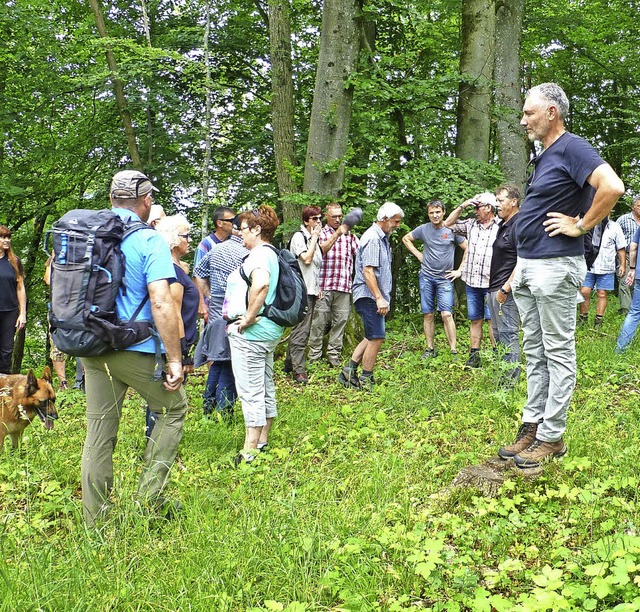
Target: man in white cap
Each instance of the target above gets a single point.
(149, 270)
(480, 233)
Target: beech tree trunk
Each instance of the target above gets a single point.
(512, 143)
(118, 90)
(332, 99)
(282, 104)
(476, 67)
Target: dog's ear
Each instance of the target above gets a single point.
(46, 374)
(32, 384)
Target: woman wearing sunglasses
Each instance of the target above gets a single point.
(304, 245)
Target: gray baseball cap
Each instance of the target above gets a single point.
(130, 184)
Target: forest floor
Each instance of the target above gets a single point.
(355, 507)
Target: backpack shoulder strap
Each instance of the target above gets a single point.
(134, 226)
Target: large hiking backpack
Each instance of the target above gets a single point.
(87, 271)
(290, 304)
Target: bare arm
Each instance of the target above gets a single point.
(608, 188)
(203, 286)
(408, 241)
(177, 292)
(257, 295)
(166, 320)
(454, 216)
(453, 274)
(622, 259)
(372, 283)
(633, 256)
(327, 245)
(307, 256)
(22, 303)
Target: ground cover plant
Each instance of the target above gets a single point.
(352, 508)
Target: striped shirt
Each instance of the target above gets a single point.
(477, 265)
(204, 247)
(337, 264)
(375, 252)
(629, 226)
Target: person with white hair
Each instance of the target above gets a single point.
(570, 190)
(480, 233)
(372, 295)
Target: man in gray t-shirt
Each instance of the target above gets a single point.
(436, 273)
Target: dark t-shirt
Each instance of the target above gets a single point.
(558, 183)
(8, 285)
(505, 254)
(189, 310)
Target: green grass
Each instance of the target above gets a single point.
(351, 509)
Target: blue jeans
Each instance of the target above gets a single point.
(430, 288)
(477, 307)
(220, 391)
(631, 321)
(545, 291)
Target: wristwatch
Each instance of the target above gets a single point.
(583, 231)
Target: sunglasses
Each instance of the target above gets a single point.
(186, 237)
(316, 218)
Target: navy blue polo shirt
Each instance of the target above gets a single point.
(557, 183)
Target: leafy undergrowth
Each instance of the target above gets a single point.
(351, 508)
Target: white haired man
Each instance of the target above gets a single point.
(570, 189)
(372, 295)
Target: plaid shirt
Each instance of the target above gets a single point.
(337, 264)
(220, 262)
(477, 265)
(629, 226)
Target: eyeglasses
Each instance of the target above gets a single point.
(231, 220)
(336, 216)
(316, 218)
(186, 237)
(5, 237)
(244, 227)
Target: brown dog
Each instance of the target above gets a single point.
(21, 399)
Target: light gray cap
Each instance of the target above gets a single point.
(130, 184)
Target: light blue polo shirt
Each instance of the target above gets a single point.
(148, 259)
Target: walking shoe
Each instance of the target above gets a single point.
(301, 379)
(367, 383)
(287, 368)
(348, 378)
(64, 386)
(474, 360)
(334, 361)
(524, 438)
(428, 354)
(539, 452)
(583, 320)
(597, 323)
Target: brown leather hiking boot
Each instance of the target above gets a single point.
(539, 452)
(524, 438)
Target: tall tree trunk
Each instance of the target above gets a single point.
(332, 99)
(121, 102)
(149, 87)
(282, 104)
(512, 144)
(476, 68)
(207, 130)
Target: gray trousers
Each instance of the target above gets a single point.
(107, 379)
(545, 291)
(506, 325)
(298, 340)
(625, 292)
(333, 310)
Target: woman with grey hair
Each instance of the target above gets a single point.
(175, 230)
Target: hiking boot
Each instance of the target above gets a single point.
(64, 386)
(539, 452)
(428, 354)
(524, 438)
(348, 378)
(334, 362)
(367, 383)
(597, 323)
(583, 320)
(301, 379)
(287, 368)
(474, 360)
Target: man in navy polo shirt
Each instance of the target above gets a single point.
(570, 189)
